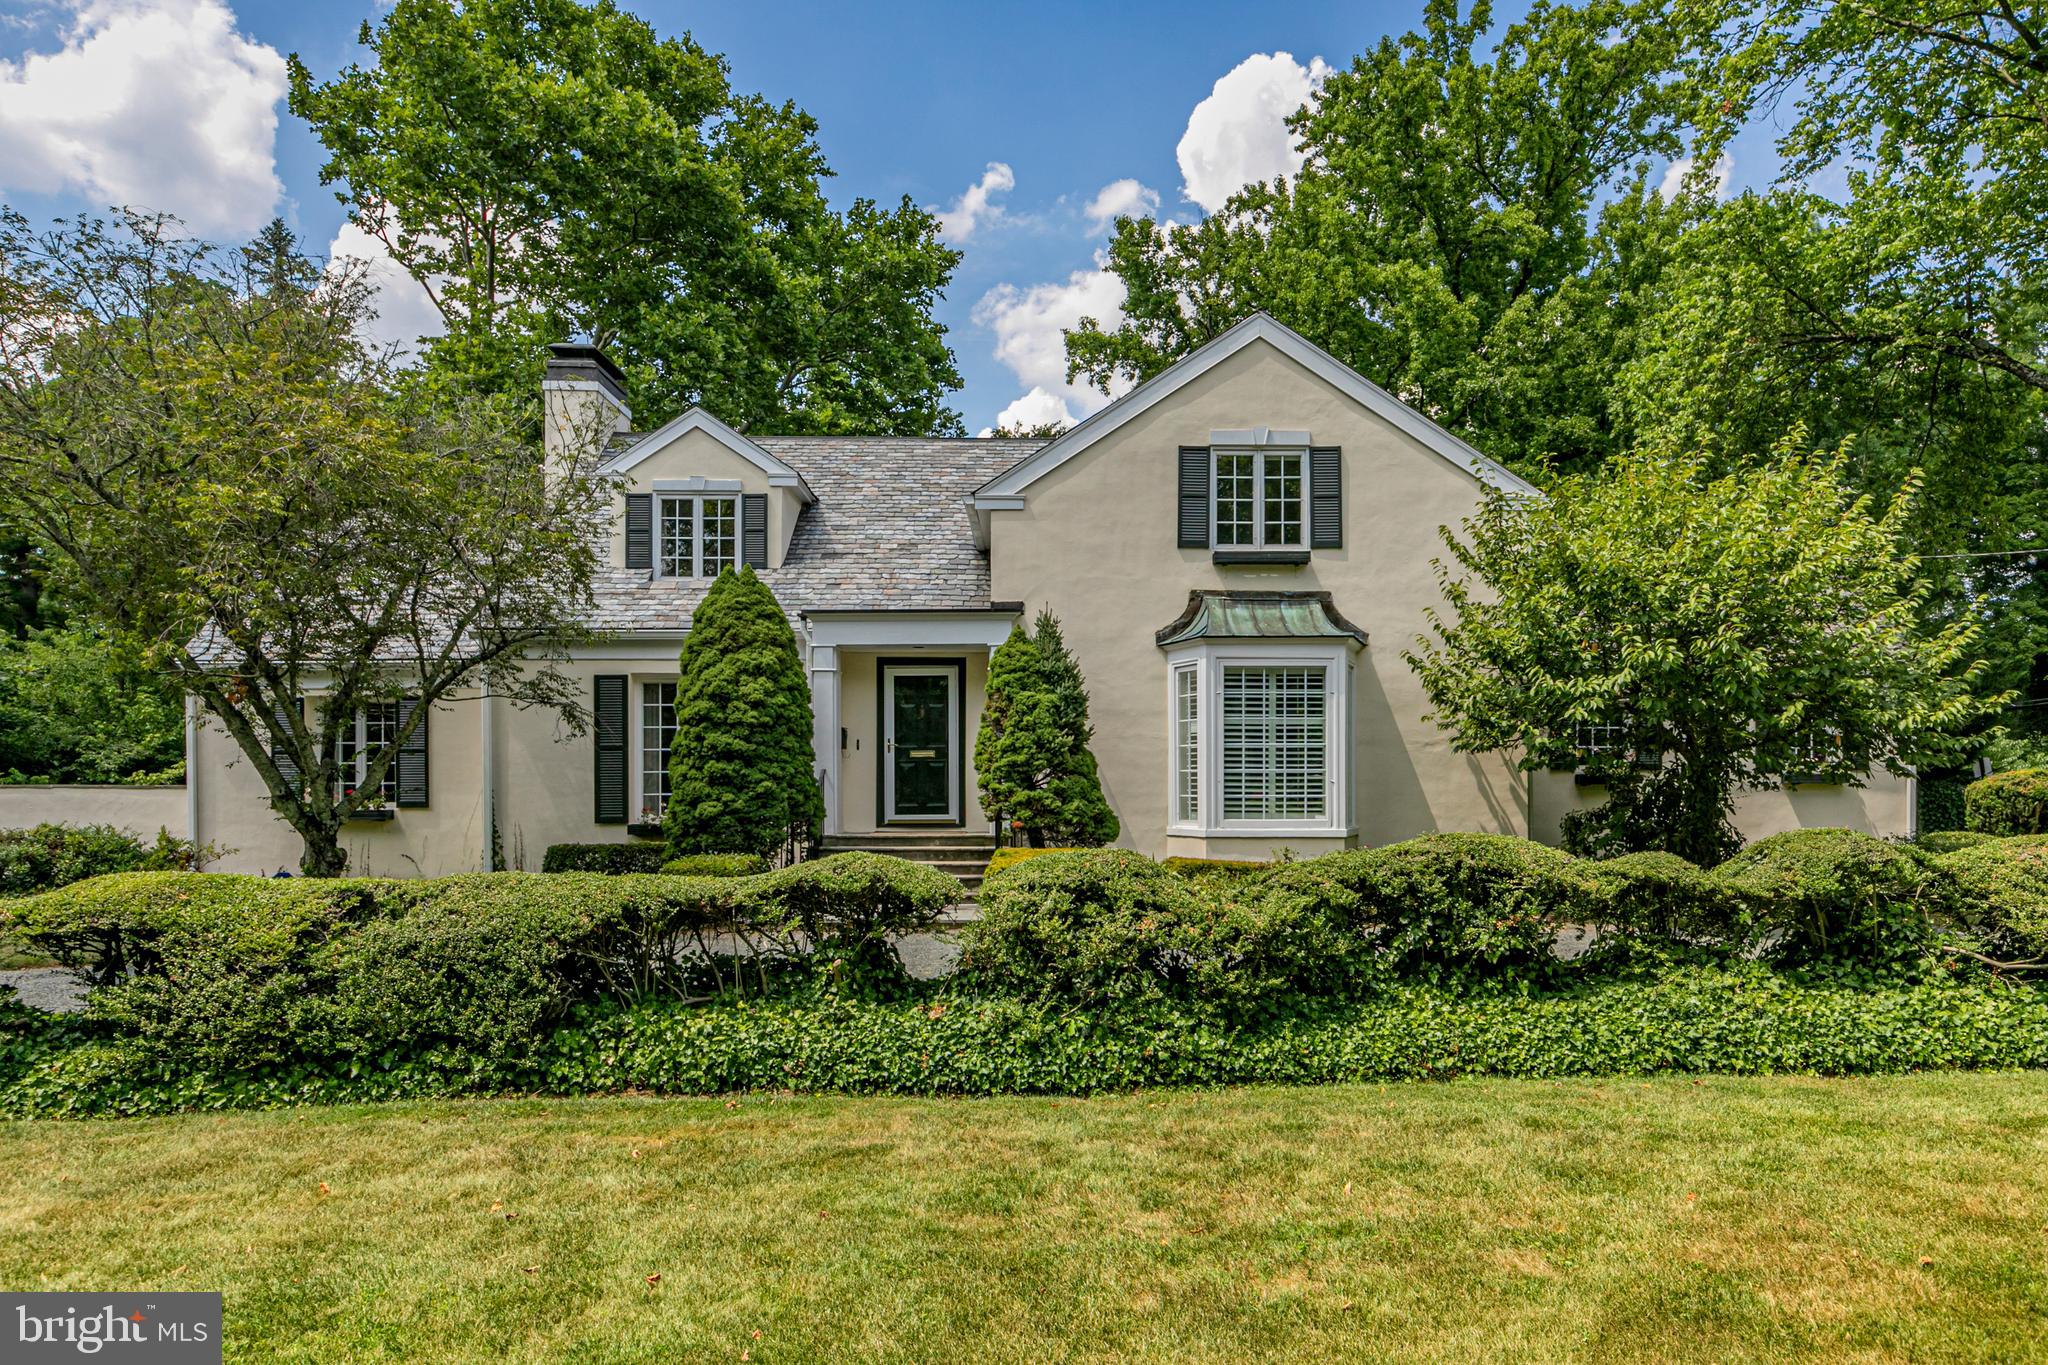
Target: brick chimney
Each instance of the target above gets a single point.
(583, 398)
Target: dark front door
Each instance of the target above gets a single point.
(920, 715)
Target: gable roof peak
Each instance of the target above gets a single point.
(1006, 489)
(780, 474)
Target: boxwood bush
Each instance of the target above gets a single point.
(2001, 895)
(1109, 928)
(49, 856)
(1834, 895)
(2014, 802)
(1451, 906)
(1936, 842)
(846, 909)
(716, 865)
(1663, 896)
(640, 856)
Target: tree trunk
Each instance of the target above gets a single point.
(324, 856)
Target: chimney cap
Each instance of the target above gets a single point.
(575, 360)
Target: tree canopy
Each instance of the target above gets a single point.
(1726, 630)
(547, 168)
(231, 488)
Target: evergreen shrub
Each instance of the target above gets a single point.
(741, 775)
(614, 859)
(2014, 802)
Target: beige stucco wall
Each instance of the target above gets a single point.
(1883, 806)
(142, 811)
(1096, 542)
(445, 836)
(860, 717)
(700, 455)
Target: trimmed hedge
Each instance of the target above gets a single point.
(1209, 868)
(1009, 857)
(2014, 802)
(716, 865)
(245, 972)
(645, 855)
(49, 856)
(2001, 894)
(1663, 896)
(1449, 906)
(1936, 842)
(1834, 895)
(1111, 928)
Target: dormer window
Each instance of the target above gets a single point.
(699, 534)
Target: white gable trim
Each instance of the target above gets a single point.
(1258, 327)
(779, 474)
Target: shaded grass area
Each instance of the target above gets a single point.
(1716, 1219)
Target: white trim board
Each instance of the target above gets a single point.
(997, 494)
(654, 442)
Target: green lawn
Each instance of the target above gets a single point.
(1719, 1219)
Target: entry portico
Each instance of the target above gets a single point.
(897, 697)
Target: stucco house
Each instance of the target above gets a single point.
(1238, 550)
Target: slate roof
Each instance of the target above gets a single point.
(890, 530)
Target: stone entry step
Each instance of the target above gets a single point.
(960, 853)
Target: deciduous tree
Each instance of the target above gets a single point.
(227, 483)
(1726, 630)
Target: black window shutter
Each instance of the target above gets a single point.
(608, 707)
(412, 756)
(639, 530)
(1194, 497)
(287, 766)
(1326, 498)
(754, 530)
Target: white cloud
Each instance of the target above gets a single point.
(1674, 176)
(1031, 411)
(1029, 325)
(1239, 133)
(404, 311)
(1120, 198)
(973, 208)
(157, 104)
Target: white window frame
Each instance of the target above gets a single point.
(663, 500)
(352, 743)
(642, 772)
(1258, 456)
(1207, 660)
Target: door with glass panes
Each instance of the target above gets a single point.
(920, 743)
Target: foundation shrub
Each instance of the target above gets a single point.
(1834, 896)
(640, 856)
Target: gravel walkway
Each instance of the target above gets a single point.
(47, 988)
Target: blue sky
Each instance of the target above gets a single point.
(1033, 112)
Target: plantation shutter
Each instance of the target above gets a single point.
(1326, 498)
(608, 712)
(1194, 497)
(411, 758)
(639, 530)
(287, 766)
(754, 530)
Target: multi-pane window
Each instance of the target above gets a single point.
(699, 536)
(1599, 739)
(1275, 745)
(373, 729)
(657, 733)
(1187, 745)
(1259, 499)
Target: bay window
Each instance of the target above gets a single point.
(699, 535)
(1259, 739)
